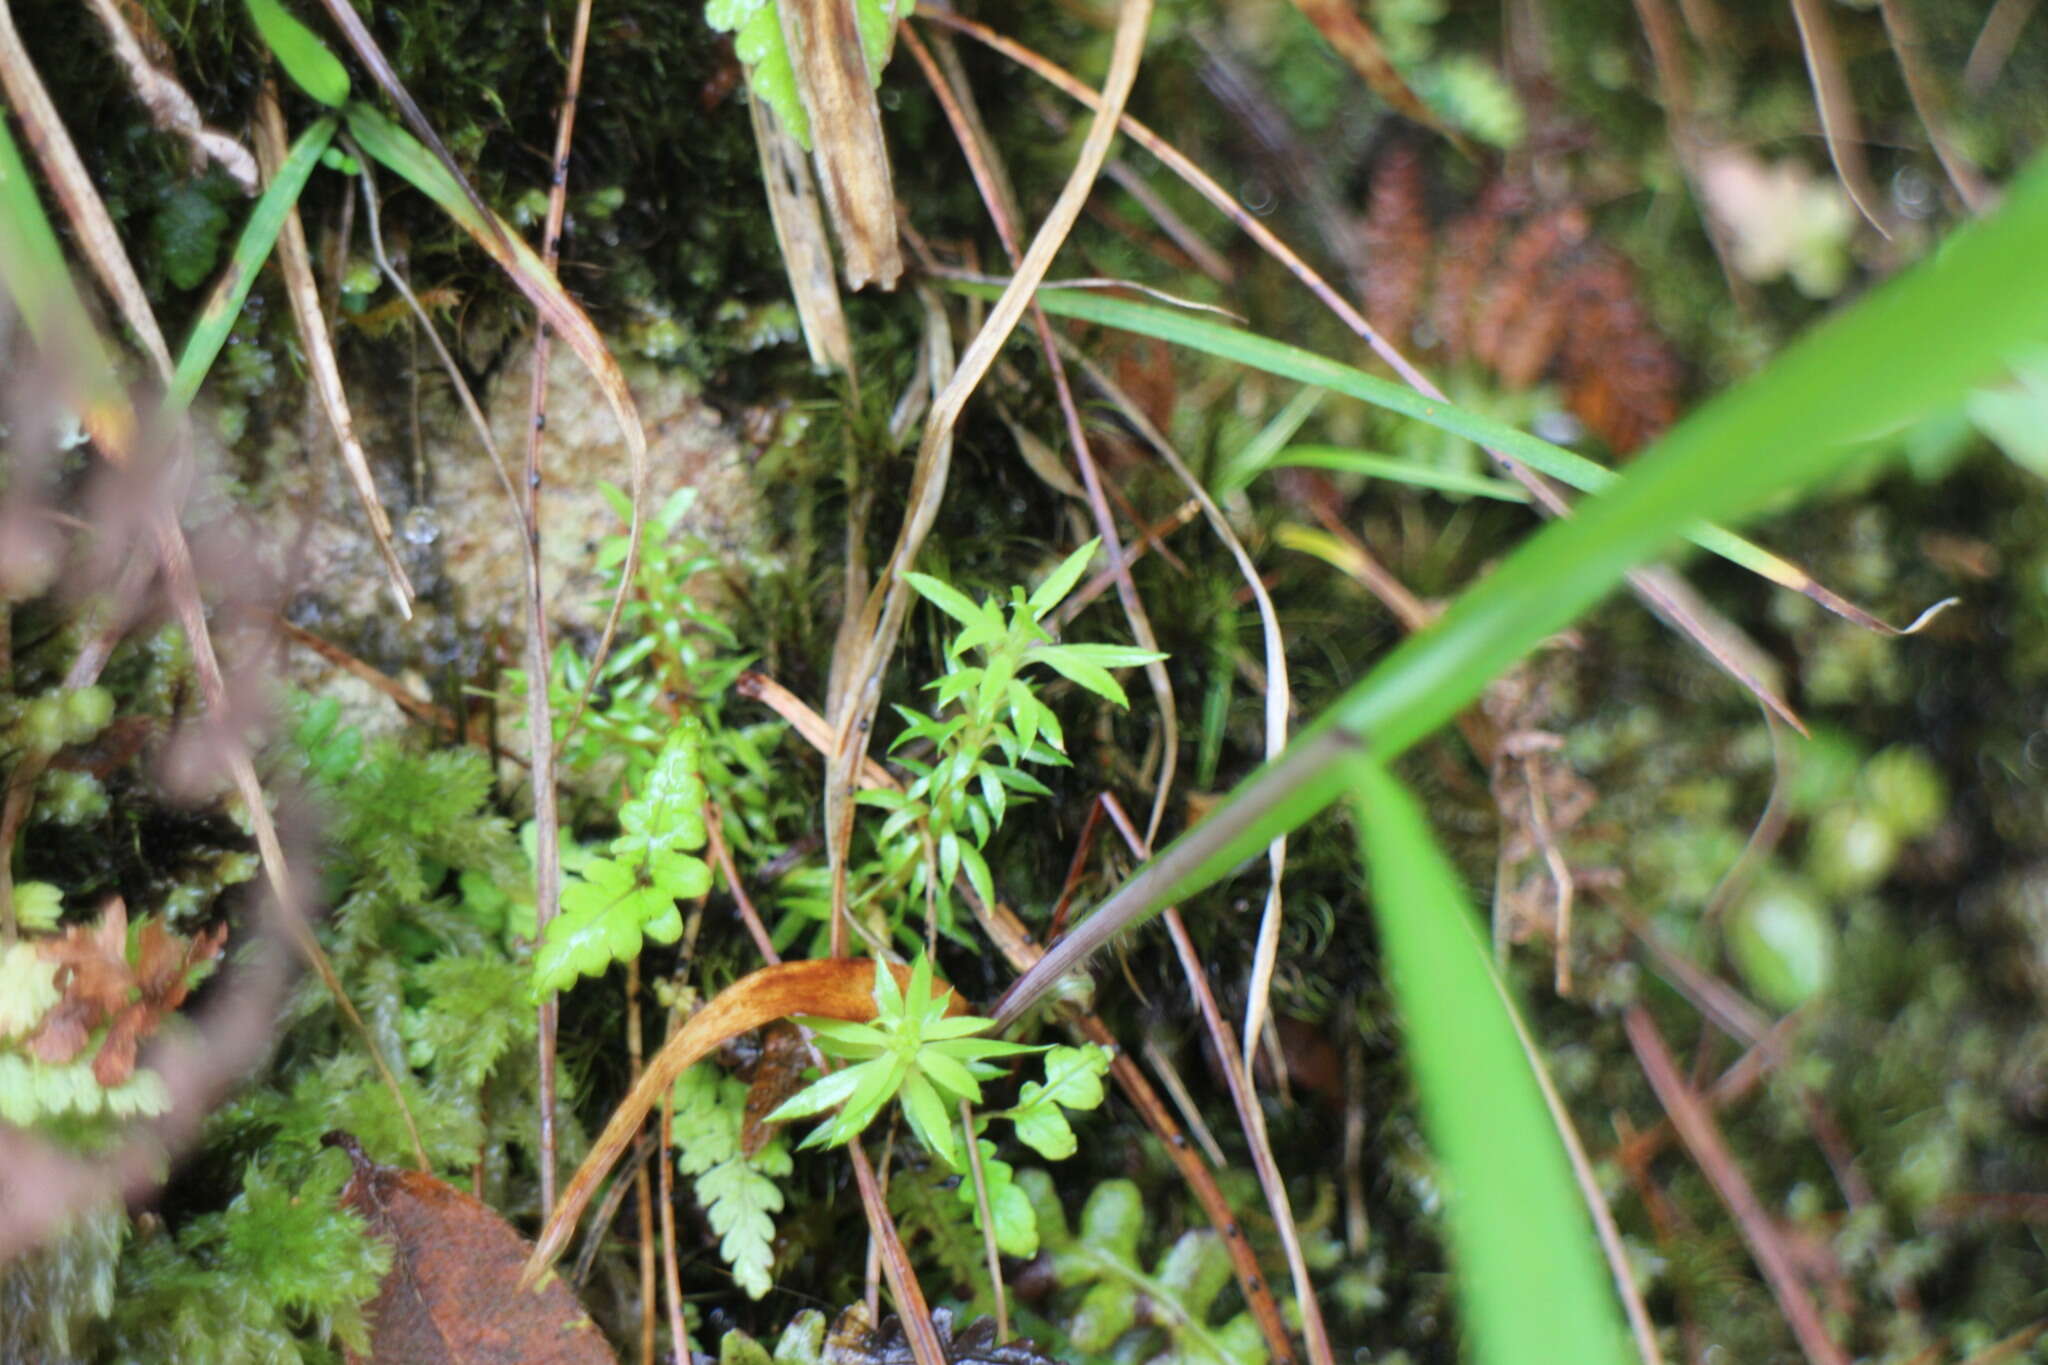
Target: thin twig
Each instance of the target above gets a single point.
(470, 407)
(169, 106)
(1929, 105)
(1696, 1128)
(1838, 122)
(643, 1192)
(1237, 1079)
(1190, 1112)
(910, 1301)
(714, 827)
(671, 1272)
(539, 703)
(1994, 44)
(988, 1224)
(295, 262)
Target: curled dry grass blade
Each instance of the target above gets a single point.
(1865, 372)
(831, 988)
(1529, 1279)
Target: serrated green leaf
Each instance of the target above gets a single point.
(28, 988)
(727, 15)
(668, 814)
(738, 1192)
(759, 45)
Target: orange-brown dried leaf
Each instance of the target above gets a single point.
(115, 1061)
(99, 985)
(1524, 268)
(92, 961)
(451, 1296)
(63, 1033)
(1469, 245)
(1620, 376)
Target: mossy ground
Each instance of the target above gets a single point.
(1924, 1052)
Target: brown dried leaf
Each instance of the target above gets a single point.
(99, 984)
(846, 136)
(451, 1296)
(92, 962)
(63, 1033)
(777, 1075)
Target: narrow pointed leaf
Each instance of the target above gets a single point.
(300, 52)
(945, 597)
(1530, 1277)
(1061, 581)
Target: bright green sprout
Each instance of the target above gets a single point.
(940, 822)
(913, 1052)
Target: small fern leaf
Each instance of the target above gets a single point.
(738, 1192)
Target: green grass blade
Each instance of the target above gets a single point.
(1530, 1277)
(1292, 362)
(35, 276)
(1870, 369)
(1395, 470)
(252, 249)
(1244, 464)
(300, 52)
